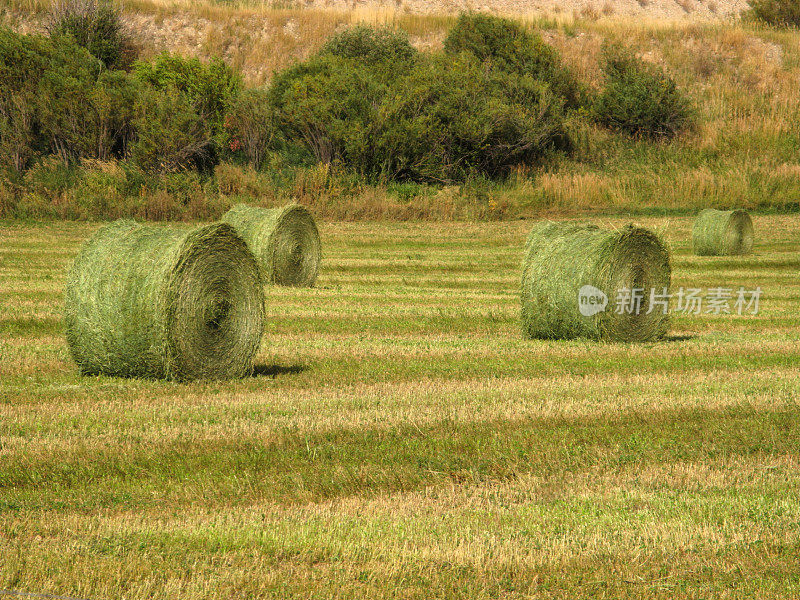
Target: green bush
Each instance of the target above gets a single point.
(780, 13)
(83, 114)
(56, 97)
(250, 127)
(371, 45)
(170, 134)
(326, 105)
(64, 93)
(181, 114)
(95, 25)
(506, 46)
(640, 99)
(23, 60)
(17, 136)
(450, 119)
(444, 119)
(211, 88)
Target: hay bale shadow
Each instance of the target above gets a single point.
(274, 371)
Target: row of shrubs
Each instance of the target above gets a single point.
(57, 98)
(497, 97)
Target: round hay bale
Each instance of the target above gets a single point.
(563, 259)
(722, 233)
(285, 241)
(145, 301)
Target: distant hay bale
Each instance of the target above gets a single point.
(145, 301)
(722, 233)
(285, 241)
(563, 259)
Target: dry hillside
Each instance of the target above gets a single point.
(652, 9)
(258, 38)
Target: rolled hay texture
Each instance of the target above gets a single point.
(285, 241)
(562, 258)
(144, 301)
(722, 233)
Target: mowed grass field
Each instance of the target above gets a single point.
(401, 438)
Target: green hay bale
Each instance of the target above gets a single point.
(285, 241)
(562, 258)
(722, 233)
(144, 301)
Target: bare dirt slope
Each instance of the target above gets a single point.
(653, 9)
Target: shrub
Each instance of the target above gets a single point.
(211, 88)
(326, 105)
(450, 118)
(23, 60)
(85, 115)
(781, 13)
(65, 89)
(170, 134)
(640, 99)
(55, 96)
(250, 126)
(181, 118)
(444, 119)
(95, 25)
(17, 137)
(508, 47)
(371, 45)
